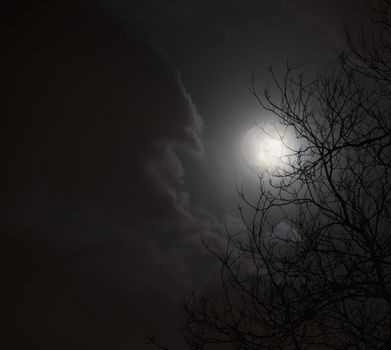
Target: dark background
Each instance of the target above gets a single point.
(120, 148)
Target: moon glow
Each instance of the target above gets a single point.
(262, 151)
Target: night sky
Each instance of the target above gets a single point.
(120, 148)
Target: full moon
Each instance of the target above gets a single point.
(262, 151)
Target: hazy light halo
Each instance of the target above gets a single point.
(263, 150)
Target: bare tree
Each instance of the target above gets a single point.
(324, 282)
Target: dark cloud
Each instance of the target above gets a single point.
(98, 228)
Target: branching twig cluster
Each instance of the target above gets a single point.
(324, 281)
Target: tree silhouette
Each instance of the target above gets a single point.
(322, 279)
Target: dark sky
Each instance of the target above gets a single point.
(120, 148)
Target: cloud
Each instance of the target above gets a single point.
(99, 229)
